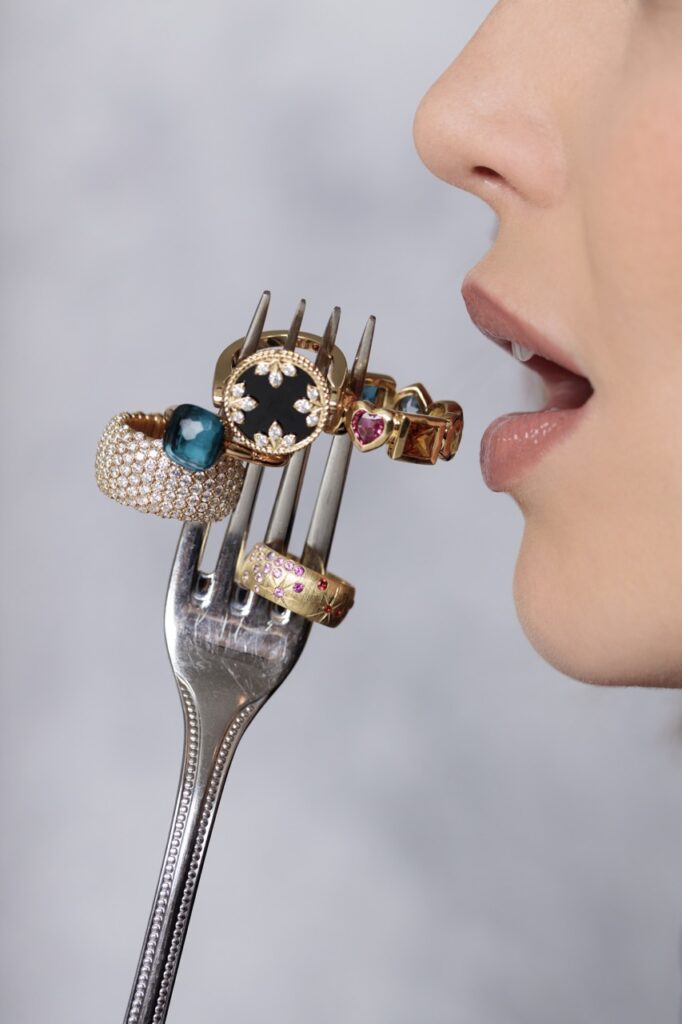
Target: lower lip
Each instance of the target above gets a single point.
(514, 443)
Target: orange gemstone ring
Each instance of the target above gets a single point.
(317, 596)
(412, 426)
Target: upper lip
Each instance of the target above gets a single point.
(501, 326)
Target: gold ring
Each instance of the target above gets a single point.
(276, 402)
(132, 466)
(227, 360)
(378, 390)
(412, 426)
(318, 596)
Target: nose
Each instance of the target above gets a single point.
(487, 124)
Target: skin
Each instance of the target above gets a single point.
(565, 117)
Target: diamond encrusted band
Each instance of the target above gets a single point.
(131, 467)
(317, 596)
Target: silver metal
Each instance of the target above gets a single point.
(229, 652)
(255, 330)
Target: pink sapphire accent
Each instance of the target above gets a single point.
(299, 570)
(366, 426)
(277, 573)
(298, 587)
(288, 565)
(279, 592)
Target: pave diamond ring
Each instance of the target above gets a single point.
(132, 467)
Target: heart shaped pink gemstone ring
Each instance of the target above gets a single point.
(367, 427)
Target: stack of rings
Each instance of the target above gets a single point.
(189, 463)
(318, 596)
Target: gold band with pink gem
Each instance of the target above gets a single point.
(280, 578)
(412, 426)
(133, 468)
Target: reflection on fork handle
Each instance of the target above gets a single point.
(211, 737)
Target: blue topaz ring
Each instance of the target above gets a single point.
(172, 464)
(281, 579)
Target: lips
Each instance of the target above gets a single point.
(566, 386)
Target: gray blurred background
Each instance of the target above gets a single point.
(426, 823)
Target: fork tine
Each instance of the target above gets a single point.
(323, 520)
(292, 336)
(325, 514)
(281, 521)
(256, 327)
(361, 361)
(324, 356)
(282, 516)
(186, 563)
(236, 533)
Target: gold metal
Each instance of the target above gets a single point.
(227, 360)
(132, 468)
(422, 437)
(385, 385)
(417, 438)
(280, 578)
(380, 425)
(452, 412)
(276, 364)
(416, 392)
(342, 400)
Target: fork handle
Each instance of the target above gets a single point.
(213, 729)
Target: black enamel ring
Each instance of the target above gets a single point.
(276, 402)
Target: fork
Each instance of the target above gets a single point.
(230, 650)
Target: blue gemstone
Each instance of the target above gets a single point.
(370, 393)
(411, 404)
(194, 437)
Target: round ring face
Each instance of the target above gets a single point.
(276, 401)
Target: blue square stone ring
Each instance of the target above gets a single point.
(174, 465)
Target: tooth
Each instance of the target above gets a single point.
(521, 352)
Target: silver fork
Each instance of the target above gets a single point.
(229, 650)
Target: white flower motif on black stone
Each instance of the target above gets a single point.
(276, 401)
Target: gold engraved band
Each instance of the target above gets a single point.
(319, 597)
(132, 467)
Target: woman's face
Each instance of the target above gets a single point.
(565, 116)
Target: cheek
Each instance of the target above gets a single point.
(631, 195)
(598, 581)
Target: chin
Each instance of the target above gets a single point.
(583, 620)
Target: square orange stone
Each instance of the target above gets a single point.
(423, 441)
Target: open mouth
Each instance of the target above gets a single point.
(515, 442)
(566, 387)
(563, 388)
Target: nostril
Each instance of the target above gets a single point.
(486, 172)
